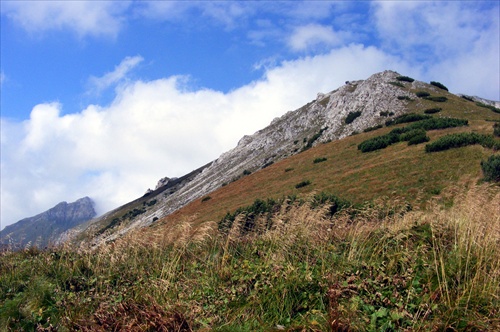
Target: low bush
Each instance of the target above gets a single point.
(386, 113)
(437, 123)
(491, 168)
(467, 98)
(496, 129)
(352, 116)
(433, 110)
(439, 85)
(302, 184)
(246, 172)
(379, 142)
(405, 79)
(319, 160)
(313, 139)
(404, 98)
(406, 118)
(462, 139)
(206, 198)
(415, 136)
(422, 94)
(438, 99)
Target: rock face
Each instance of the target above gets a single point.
(45, 228)
(321, 120)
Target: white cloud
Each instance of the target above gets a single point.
(99, 84)
(97, 18)
(155, 129)
(312, 35)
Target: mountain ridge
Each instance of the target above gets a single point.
(324, 119)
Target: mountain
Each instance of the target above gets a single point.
(353, 108)
(45, 228)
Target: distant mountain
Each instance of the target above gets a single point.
(45, 228)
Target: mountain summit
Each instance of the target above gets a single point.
(45, 228)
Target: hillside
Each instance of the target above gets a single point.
(321, 237)
(271, 162)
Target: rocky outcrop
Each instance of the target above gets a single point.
(45, 228)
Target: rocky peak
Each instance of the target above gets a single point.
(45, 228)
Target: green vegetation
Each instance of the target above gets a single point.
(491, 168)
(438, 99)
(206, 198)
(496, 129)
(405, 118)
(490, 107)
(404, 98)
(302, 184)
(313, 139)
(439, 85)
(462, 139)
(433, 110)
(386, 113)
(414, 133)
(319, 160)
(247, 172)
(405, 79)
(422, 94)
(373, 268)
(352, 116)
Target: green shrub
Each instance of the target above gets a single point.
(246, 172)
(439, 85)
(352, 116)
(386, 113)
(462, 139)
(433, 110)
(437, 123)
(405, 79)
(406, 118)
(313, 139)
(206, 198)
(496, 129)
(491, 168)
(438, 99)
(415, 136)
(250, 215)
(467, 98)
(404, 98)
(336, 204)
(302, 184)
(289, 169)
(379, 142)
(422, 94)
(319, 160)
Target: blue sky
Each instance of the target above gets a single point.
(103, 98)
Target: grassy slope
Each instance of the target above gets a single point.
(430, 269)
(400, 170)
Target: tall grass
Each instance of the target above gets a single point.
(378, 267)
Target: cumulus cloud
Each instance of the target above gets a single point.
(456, 41)
(154, 129)
(312, 35)
(97, 18)
(98, 84)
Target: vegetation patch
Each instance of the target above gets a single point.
(313, 139)
(319, 160)
(373, 128)
(352, 116)
(386, 113)
(439, 85)
(433, 110)
(496, 129)
(491, 168)
(462, 139)
(206, 198)
(405, 79)
(398, 84)
(437, 99)
(406, 118)
(302, 184)
(404, 98)
(422, 94)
